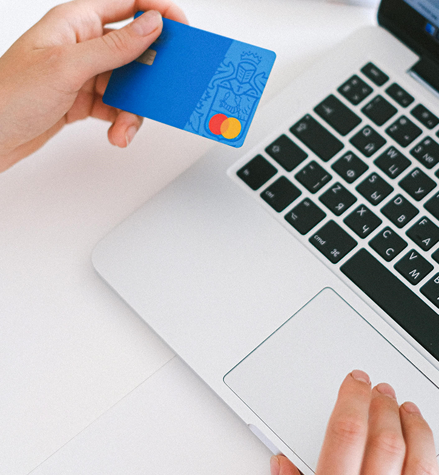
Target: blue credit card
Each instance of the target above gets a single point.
(194, 80)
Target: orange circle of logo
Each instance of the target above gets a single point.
(228, 127)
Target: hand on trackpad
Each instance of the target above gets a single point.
(292, 379)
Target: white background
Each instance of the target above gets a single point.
(69, 348)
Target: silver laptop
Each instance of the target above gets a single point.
(276, 269)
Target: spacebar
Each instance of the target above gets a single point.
(397, 300)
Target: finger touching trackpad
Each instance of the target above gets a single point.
(291, 380)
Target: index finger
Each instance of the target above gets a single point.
(81, 20)
(110, 11)
(345, 439)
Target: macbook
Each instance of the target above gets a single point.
(275, 269)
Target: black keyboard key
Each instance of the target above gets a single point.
(394, 298)
(400, 211)
(413, 267)
(417, 184)
(404, 131)
(431, 290)
(337, 115)
(313, 177)
(280, 194)
(402, 97)
(349, 167)
(379, 110)
(317, 138)
(392, 162)
(338, 199)
(432, 205)
(427, 152)
(355, 90)
(257, 172)
(332, 241)
(387, 244)
(362, 221)
(305, 216)
(367, 141)
(374, 74)
(424, 233)
(435, 255)
(425, 117)
(286, 153)
(374, 189)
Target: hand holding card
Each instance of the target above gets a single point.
(194, 80)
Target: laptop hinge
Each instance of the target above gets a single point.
(427, 70)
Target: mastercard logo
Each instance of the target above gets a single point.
(228, 127)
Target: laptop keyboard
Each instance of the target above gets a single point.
(371, 207)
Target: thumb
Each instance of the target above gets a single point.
(117, 48)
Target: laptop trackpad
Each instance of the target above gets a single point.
(291, 380)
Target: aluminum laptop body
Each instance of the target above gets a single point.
(257, 268)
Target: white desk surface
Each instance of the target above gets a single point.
(69, 348)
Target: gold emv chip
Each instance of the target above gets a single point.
(147, 57)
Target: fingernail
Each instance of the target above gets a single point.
(386, 389)
(411, 408)
(360, 376)
(146, 23)
(130, 134)
(274, 465)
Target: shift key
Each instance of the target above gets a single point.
(317, 138)
(332, 241)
